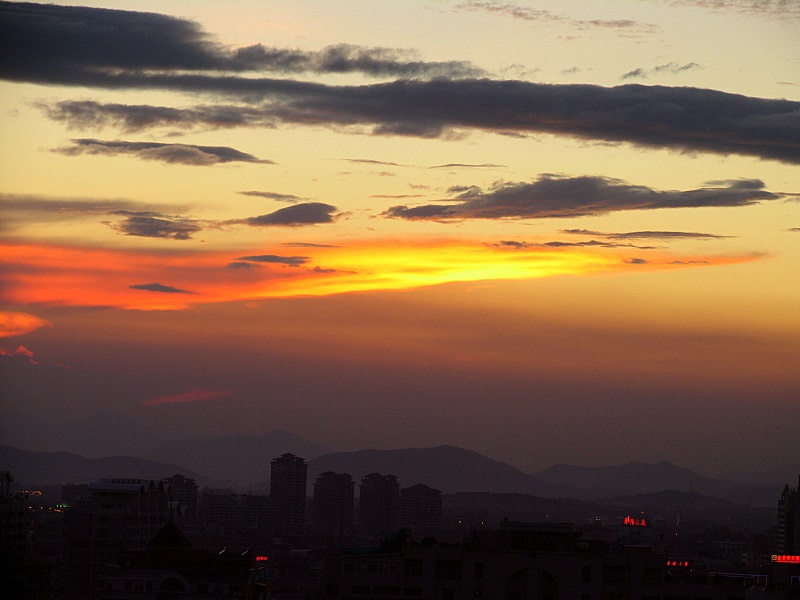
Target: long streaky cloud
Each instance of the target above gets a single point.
(290, 198)
(640, 235)
(184, 154)
(552, 196)
(681, 119)
(158, 287)
(195, 395)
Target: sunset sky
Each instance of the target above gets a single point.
(547, 231)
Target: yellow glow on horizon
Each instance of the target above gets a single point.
(84, 276)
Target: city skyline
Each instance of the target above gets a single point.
(549, 232)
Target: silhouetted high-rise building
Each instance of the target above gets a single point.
(116, 515)
(15, 551)
(421, 508)
(220, 507)
(333, 504)
(379, 504)
(287, 487)
(182, 498)
(789, 520)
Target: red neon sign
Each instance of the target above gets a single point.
(635, 522)
(786, 558)
(677, 563)
(262, 558)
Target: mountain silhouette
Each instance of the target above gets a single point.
(446, 468)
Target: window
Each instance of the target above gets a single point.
(615, 575)
(360, 589)
(651, 577)
(448, 569)
(586, 573)
(478, 570)
(413, 567)
(412, 592)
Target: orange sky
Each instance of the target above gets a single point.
(546, 231)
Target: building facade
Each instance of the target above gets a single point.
(379, 504)
(287, 487)
(421, 509)
(333, 505)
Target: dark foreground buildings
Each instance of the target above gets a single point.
(519, 561)
(129, 539)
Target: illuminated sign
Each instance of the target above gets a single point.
(786, 558)
(635, 522)
(677, 563)
(262, 558)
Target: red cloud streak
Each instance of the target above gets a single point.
(189, 396)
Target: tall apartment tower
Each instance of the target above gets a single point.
(116, 515)
(379, 504)
(789, 520)
(287, 487)
(183, 498)
(333, 504)
(421, 509)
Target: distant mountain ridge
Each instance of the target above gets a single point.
(54, 468)
(643, 478)
(446, 468)
(242, 458)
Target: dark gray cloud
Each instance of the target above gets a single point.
(553, 196)
(638, 235)
(148, 225)
(794, 229)
(126, 50)
(670, 67)
(290, 198)
(67, 44)
(292, 261)
(636, 261)
(129, 118)
(183, 154)
(157, 287)
(682, 119)
(306, 213)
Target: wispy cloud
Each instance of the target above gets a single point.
(22, 351)
(290, 198)
(541, 16)
(645, 235)
(195, 395)
(670, 67)
(184, 154)
(778, 9)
